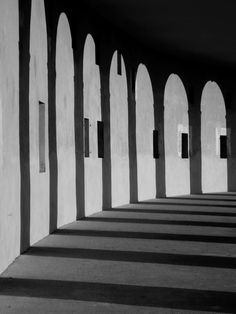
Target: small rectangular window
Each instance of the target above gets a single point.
(100, 130)
(223, 146)
(42, 154)
(119, 64)
(155, 144)
(86, 137)
(184, 146)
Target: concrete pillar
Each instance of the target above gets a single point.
(106, 162)
(194, 98)
(231, 135)
(159, 126)
(24, 46)
(132, 136)
(79, 130)
(53, 178)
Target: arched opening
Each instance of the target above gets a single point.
(38, 116)
(92, 112)
(65, 123)
(119, 131)
(213, 139)
(144, 135)
(176, 128)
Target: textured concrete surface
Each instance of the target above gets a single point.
(119, 134)
(175, 122)
(213, 124)
(9, 133)
(144, 134)
(39, 189)
(65, 123)
(174, 255)
(92, 111)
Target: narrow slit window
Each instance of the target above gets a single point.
(42, 153)
(100, 130)
(155, 144)
(184, 148)
(223, 146)
(86, 137)
(119, 63)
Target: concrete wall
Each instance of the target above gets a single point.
(213, 124)
(9, 134)
(144, 135)
(39, 198)
(65, 123)
(92, 111)
(119, 134)
(175, 122)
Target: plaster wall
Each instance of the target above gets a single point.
(175, 122)
(144, 135)
(119, 134)
(9, 133)
(65, 123)
(39, 198)
(92, 111)
(213, 124)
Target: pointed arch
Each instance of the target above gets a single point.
(176, 128)
(92, 112)
(65, 123)
(213, 127)
(119, 131)
(144, 134)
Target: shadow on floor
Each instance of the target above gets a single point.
(147, 235)
(172, 211)
(141, 257)
(188, 204)
(188, 299)
(162, 222)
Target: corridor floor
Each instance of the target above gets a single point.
(173, 255)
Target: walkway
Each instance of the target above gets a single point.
(174, 255)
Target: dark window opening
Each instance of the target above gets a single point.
(42, 153)
(223, 146)
(119, 63)
(155, 144)
(184, 146)
(86, 137)
(100, 130)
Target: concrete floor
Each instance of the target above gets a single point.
(174, 255)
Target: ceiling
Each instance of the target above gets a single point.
(191, 28)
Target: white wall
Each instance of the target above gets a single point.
(65, 123)
(39, 198)
(9, 134)
(144, 135)
(213, 124)
(119, 134)
(175, 122)
(92, 111)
